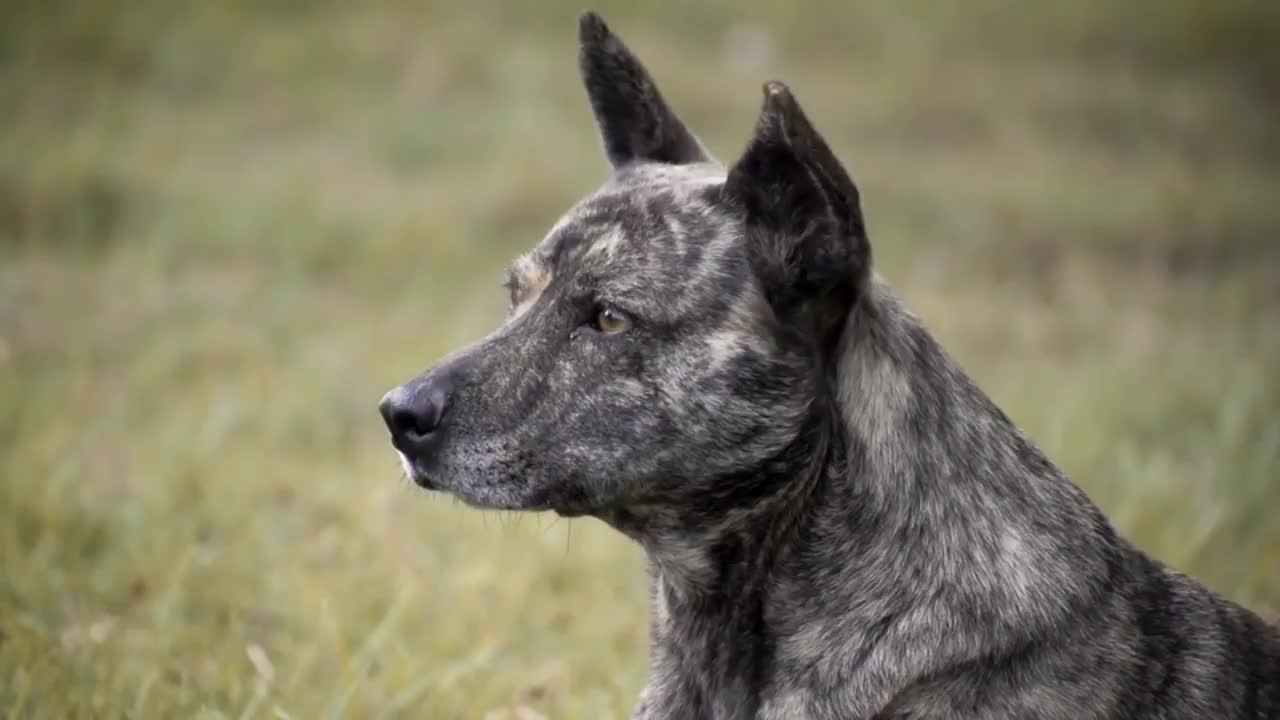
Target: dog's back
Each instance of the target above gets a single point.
(1164, 648)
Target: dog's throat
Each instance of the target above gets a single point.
(703, 541)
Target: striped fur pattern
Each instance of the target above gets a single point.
(839, 523)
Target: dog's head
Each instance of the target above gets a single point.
(671, 330)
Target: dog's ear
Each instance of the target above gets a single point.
(804, 219)
(635, 122)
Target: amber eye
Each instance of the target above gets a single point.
(611, 321)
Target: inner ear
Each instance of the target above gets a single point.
(804, 219)
(636, 125)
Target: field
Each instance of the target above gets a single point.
(227, 229)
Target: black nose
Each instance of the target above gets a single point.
(414, 412)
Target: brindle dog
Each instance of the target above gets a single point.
(839, 524)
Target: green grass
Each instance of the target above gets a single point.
(225, 230)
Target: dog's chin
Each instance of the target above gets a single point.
(501, 499)
(505, 498)
(512, 498)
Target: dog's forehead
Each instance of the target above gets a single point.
(640, 211)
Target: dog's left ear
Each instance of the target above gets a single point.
(804, 218)
(636, 124)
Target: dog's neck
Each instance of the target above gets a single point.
(712, 564)
(925, 480)
(873, 520)
(720, 540)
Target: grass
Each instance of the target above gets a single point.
(226, 229)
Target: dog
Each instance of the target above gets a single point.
(838, 523)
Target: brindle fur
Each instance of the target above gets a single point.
(838, 523)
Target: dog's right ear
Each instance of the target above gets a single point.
(809, 242)
(636, 125)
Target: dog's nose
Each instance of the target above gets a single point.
(414, 412)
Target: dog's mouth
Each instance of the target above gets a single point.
(424, 481)
(416, 474)
(564, 507)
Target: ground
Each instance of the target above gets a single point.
(227, 229)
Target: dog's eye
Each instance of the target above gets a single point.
(611, 321)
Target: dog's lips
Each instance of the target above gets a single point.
(415, 473)
(423, 480)
(414, 470)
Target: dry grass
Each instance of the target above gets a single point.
(224, 231)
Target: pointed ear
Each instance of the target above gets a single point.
(635, 123)
(803, 214)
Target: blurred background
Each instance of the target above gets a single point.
(226, 228)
